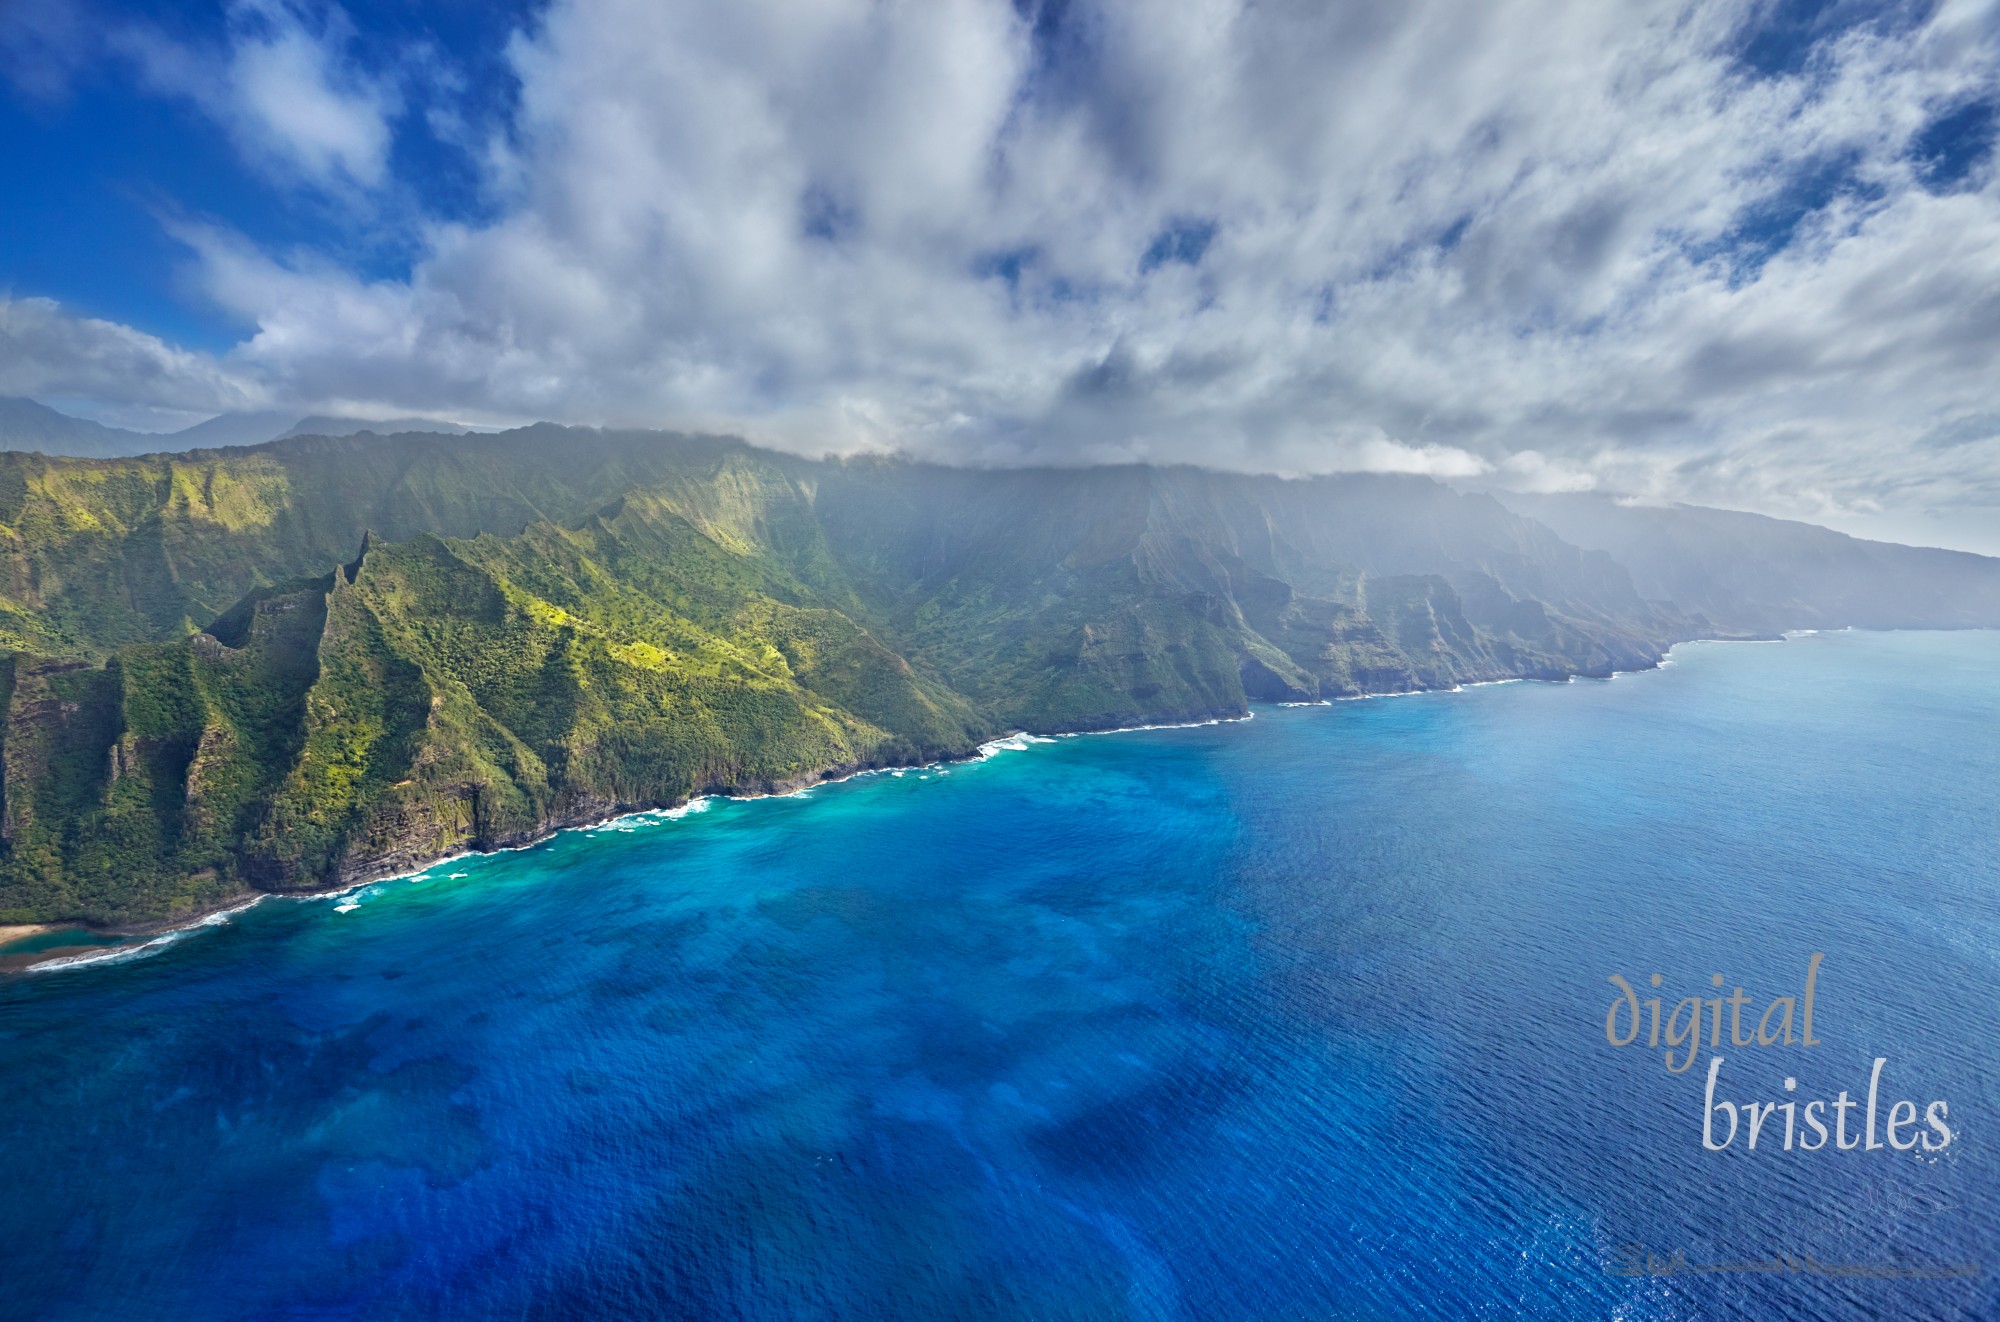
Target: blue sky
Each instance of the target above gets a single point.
(1744, 252)
(97, 158)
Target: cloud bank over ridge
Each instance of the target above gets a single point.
(1738, 253)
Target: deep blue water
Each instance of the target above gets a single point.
(1295, 1017)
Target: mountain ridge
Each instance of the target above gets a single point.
(29, 425)
(317, 661)
(1756, 572)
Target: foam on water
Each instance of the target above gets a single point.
(139, 950)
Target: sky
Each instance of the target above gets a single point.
(1743, 252)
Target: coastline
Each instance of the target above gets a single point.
(160, 934)
(1011, 741)
(66, 957)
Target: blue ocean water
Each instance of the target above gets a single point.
(1295, 1017)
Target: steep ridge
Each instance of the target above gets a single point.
(1752, 573)
(319, 661)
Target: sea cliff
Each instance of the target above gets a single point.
(303, 665)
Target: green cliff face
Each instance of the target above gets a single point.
(208, 692)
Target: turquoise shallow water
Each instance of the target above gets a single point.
(1295, 1017)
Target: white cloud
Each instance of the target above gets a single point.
(284, 87)
(294, 101)
(1382, 455)
(1533, 471)
(1554, 245)
(47, 352)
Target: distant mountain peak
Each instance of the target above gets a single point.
(27, 424)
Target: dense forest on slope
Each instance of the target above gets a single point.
(326, 659)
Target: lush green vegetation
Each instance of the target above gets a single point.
(324, 660)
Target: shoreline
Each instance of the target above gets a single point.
(1012, 741)
(67, 957)
(158, 935)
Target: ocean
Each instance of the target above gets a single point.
(1303, 1016)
